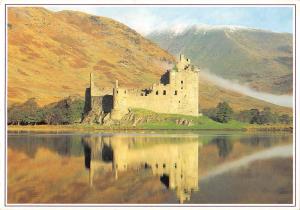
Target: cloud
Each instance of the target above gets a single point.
(148, 19)
(142, 20)
(281, 100)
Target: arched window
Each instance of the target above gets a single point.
(165, 92)
(175, 93)
(181, 82)
(157, 92)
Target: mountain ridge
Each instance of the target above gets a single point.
(178, 29)
(258, 58)
(51, 54)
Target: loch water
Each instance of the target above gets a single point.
(150, 168)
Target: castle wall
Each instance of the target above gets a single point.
(180, 96)
(176, 94)
(98, 99)
(96, 91)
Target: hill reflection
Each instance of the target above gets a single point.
(137, 168)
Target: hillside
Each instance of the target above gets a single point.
(50, 56)
(260, 59)
(210, 94)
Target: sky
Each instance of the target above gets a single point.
(146, 19)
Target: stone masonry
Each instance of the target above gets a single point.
(177, 93)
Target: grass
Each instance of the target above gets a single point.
(158, 121)
(60, 63)
(168, 121)
(200, 123)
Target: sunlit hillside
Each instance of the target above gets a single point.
(50, 56)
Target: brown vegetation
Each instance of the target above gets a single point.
(49, 51)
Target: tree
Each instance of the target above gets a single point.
(224, 112)
(262, 117)
(285, 119)
(66, 111)
(224, 145)
(247, 115)
(211, 113)
(265, 117)
(27, 113)
(255, 116)
(14, 114)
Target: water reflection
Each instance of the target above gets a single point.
(224, 145)
(150, 168)
(175, 164)
(64, 145)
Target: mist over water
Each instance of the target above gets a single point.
(281, 100)
(279, 151)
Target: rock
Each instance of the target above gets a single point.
(184, 122)
(131, 117)
(190, 123)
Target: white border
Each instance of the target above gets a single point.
(41, 2)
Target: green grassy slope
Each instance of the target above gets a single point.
(145, 119)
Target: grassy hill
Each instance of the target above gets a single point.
(261, 59)
(50, 56)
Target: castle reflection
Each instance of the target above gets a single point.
(175, 162)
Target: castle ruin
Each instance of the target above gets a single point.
(177, 93)
(177, 164)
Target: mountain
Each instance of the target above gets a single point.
(51, 54)
(261, 59)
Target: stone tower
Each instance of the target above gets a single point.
(184, 82)
(178, 96)
(177, 93)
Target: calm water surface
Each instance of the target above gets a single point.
(201, 168)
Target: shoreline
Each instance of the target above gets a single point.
(95, 127)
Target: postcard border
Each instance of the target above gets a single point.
(144, 205)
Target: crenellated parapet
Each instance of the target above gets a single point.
(183, 63)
